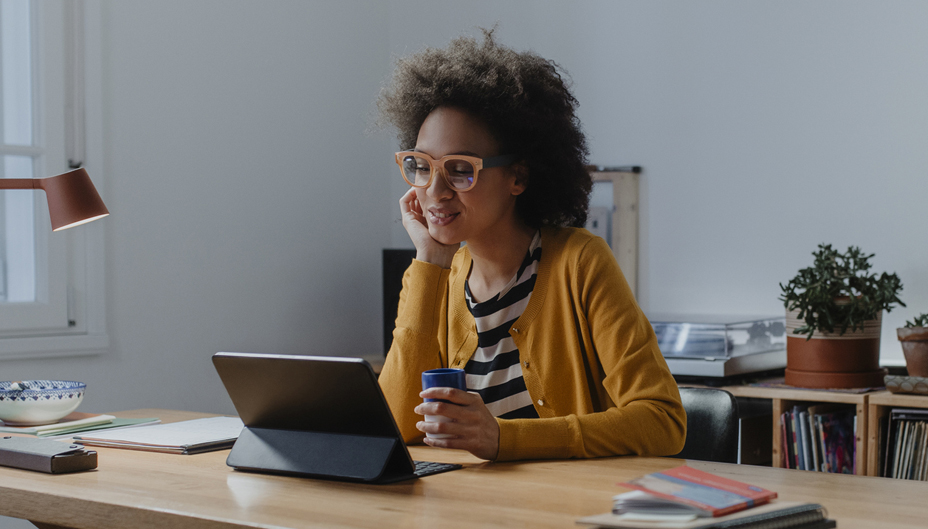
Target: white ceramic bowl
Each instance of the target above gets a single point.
(36, 402)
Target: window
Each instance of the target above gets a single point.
(51, 298)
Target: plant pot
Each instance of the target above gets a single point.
(914, 342)
(832, 360)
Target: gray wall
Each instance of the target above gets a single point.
(764, 128)
(250, 205)
(248, 201)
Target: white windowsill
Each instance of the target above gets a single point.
(53, 346)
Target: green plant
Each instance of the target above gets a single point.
(838, 292)
(920, 321)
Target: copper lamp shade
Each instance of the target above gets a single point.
(72, 198)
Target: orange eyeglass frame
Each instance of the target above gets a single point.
(439, 164)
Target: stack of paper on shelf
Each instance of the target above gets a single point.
(185, 437)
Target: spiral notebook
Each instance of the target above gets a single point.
(776, 515)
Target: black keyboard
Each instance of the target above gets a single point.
(427, 468)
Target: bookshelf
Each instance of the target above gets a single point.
(783, 399)
(879, 406)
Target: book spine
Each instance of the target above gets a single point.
(900, 436)
(854, 445)
(784, 441)
(806, 442)
(797, 439)
(739, 507)
(919, 452)
(923, 476)
(820, 440)
(885, 440)
(813, 444)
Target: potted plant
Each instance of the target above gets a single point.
(835, 307)
(914, 339)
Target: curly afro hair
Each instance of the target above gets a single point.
(526, 104)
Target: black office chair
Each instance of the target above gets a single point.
(711, 425)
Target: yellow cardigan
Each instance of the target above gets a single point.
(589, 356)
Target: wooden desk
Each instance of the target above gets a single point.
(143, 489)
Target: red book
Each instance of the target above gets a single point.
(713, 494)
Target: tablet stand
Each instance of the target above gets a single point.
(320, 454)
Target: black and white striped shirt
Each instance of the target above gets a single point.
(495, 371)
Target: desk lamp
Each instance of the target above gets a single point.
(72, 198)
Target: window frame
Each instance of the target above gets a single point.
(74, 256)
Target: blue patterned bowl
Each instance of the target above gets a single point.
(36, 402)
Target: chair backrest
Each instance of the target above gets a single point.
(711, 425)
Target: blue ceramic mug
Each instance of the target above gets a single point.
(445, 377)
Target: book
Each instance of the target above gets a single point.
(797, 437)
(806, 440)
(707, 494)
(813, 442)
(774, 515)
(840, 441)
(820, 441)
(784, 444)
(185, 437)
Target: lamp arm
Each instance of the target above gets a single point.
(19, 183)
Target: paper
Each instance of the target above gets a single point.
(75, 419)
(118, 422)
(185, 437)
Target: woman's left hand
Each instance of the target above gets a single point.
(472, 426)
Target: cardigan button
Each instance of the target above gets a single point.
(526, 364)
(541, 402)
(515, 330)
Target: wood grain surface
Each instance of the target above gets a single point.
(145, 489)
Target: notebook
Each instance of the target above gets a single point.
(321, 417)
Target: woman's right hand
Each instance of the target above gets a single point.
(427, 249)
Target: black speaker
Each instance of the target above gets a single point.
(395, 263)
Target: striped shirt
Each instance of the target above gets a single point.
(495, 371)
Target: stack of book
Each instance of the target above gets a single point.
(821, 438)
(905, 447)
(687, 498)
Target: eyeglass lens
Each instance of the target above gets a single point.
(458, 173)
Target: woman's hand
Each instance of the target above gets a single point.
(472, 426)
(427, 249)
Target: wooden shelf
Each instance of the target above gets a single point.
(783, 399)
(879, 406)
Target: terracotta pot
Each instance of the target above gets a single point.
(832, 360)
(914, 342)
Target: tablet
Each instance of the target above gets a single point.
(315, 416)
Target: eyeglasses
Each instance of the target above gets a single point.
(458, 170)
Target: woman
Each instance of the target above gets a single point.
(560, 360)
